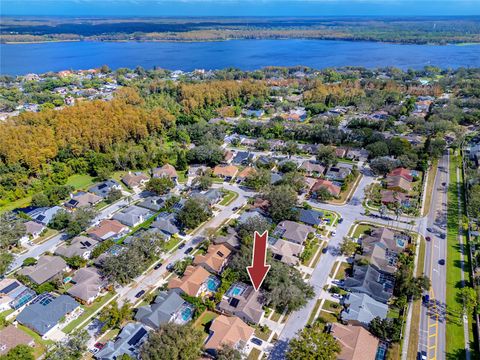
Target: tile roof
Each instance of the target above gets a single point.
(356, 342)
(214, 259)
(46, 268)
(108, 228)
(166, 170)
(326, 184)
(229, 331)
(11, 337)
(225, 171)
(192, 280)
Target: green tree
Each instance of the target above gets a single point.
(160, 186)
(282, 200)
(71, 349)
(386, 329)
(349, 247)
(12, 228)
(203, 182)
(19, 352)
(312, 343)
(114, 195)
(258, 179)
(327, 155)
(228, 353)
(468, 296)
(193, 213)
(173, 342)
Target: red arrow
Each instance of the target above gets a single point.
(259, 268)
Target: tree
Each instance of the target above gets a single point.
(114, 195)
(6, 259)
(19, 352)
(377, 149)
(12, 228)
(115, 316)
(71, 349)
(348, 247)
(282, 200)
(288, 166)
(312, 343)
(386, 329)
(193, 213)
(468, 296)
(326, 155)
(203, 182)
(29, 261)
(262, 144)
(258, 179)
(173, 342)
(323, 194)
(226, 352)
(247, 229)
(383, 165)
(40, 200)
(160, 186)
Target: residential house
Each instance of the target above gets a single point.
(214, 260)
(360, 309)
(79, 246)
(293, 231)
(243, 301)
(166, 170)
(13, 294)
(133, 215)
(355, 341)
(82, 199)
(226, 172)
(246, 172)
(230, 240)
(43, 215)
(358, 154)
(243, 158)
(333, 189)
(167, 224)
(230, 331)
(135, 180)
(312, 168)
(228, 157)
(33, 230)
(108, 229)
(103, 189)
(153, 203)
(394, 197)
(310, 217)
(338, 173)
(10, 337)
(407, 174)
(46, 313)
(285, 251)
(88, 285)
(167, 307)
(252, 214)
(340, 152)
(253, 113)
(275, 177)
(211, 197)
(399, 183)
(128, 342)
(367, 280)
(194, 282)
(46, 268)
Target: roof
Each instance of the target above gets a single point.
(43, 316)
(88, 283)
(255, 213)
(242, 157)
(230, 240)
(229, 331)
(107, 228)
(310, 217)
(127, 342)
(326, 184)
(363, 308)
(44, 214)
(33, 227)
(368, 280)
(214, 259)
(166, 170)
(46, 268)
(312, 166)
(135, 179)
(356, 342)
(192, 280)
(103, 189)
(391, 196)
(225, 171)
(247, 305)
(132, 215)
(83, 199)
(246, 172)
(11, 337)
(79, 245)
(285, 251)
(397, 181)
(166, 223)
(10, 289)
(338, 173)
(293, 231)
(154, 203)
(405, 173)
(165, 306)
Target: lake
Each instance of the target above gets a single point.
(244, 54)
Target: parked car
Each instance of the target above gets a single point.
(442, 235)
(257, 341)
(324, 250)
(340, 220)
(428, 238)
(182, 245)
(170, 266)
(140, 293)
(99, 345)
(338, 296)
(158, 266)
(235, 208)
(189, 250)
(429, 229)
(426, 298)
(422, 355)
(441, 261)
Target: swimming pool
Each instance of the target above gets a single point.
(236, 290)
(187, 313)
(213, 283)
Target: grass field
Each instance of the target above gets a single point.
(228, 198)
(203, 321)
(430, 183)
(360, 230)
(311, 319)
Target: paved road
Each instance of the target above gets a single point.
(432, 317)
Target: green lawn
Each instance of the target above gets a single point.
(254, 354)
(23, 202)
(80, 182)
(275, 316)
(88, 311)
(228, 197)
(361, 229)
(311, 319)
(264, 335)
(203, 321)
(328, 317)
(170, 244)
(341, 271)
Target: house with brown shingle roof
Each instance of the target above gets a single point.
(393, 197)
(293, 231)
(243, 301)
(312, 168)
(108, 229)
(226, 172)
(405, 173)
(242, 175)
(46, 268)
(11, 337)
(215, 259)
(398, 183)
(356, 342)
(135, 180)
(333, 189)
(193, 282)
(231, 331)
(166, 170)
(88, 284)
(82, 199)
(285, 251)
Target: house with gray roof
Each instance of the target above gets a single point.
(211, 196)
(88, 284)
(360, 309)
(103, 189)
(133, 215)
(230, 240)
(128, 342)
(153, 203)
(293, 231)
(45, 313)
(243, 301)
(46, 268)
(167, 307)
(367, 280)
(79, 246)
(256, 213)
(167, 224)
(338, 173)
(310, 217)
(43, 215)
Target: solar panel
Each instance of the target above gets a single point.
(41, 218)
(9, 288)
(219, 253)
(137, 337)
(234, 302)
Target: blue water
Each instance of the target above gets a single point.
(213, 283)
(186, 314)
(244, 54)
(236, 290)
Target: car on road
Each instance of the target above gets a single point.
(338, 296)
(422, 355)
(170, 266)
(340, 220)
(429, 229)
(428, 238)
(426, 299)
(257, 341)
(158, 266)
(189, 250)
(444, 183)
(334, 233)
(441, 261)
(235, 208)
(99, 346)
(442, 235)
(182, 245)
(139, 294)
(324, 250)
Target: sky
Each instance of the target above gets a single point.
(239, 7)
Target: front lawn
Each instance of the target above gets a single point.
(80, 182)
(204, 321)
(228, 197)
(361, 229)
(341, 273)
